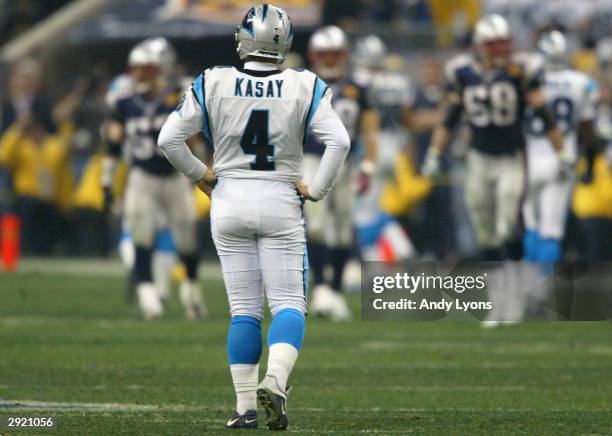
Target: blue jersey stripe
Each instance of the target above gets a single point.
(319, 89)
(200, 94)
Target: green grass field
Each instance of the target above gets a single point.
(72, 349)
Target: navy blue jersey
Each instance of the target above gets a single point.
(349, 100)
(494, 101)
(142, 121)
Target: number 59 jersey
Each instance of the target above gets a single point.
(573, 98)
(257, 120)
(494, 101)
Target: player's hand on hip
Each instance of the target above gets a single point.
(303, 190)
(208, 182)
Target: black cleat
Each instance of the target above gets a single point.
(247, 421)
(275, 406)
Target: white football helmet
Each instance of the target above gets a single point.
(493, 40)
(328, 52)
(266, 32)
(165, 52)
(369, 52)
(145, 67)
(553, 47)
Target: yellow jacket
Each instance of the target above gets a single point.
(408, 188)
(202, 203)
(88, 194)
(41, 171)
(595, 200)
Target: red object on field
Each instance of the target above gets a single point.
(10, 227)
(385, 251)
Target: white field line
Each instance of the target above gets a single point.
(132, 407)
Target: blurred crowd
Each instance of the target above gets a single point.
(51, 147)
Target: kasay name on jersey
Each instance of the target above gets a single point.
(246, 88)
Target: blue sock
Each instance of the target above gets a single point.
(244, 343)
(549, 250)
(530, 245)
(287, 327)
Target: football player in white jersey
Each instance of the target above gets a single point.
(573, 98)
(258, 118)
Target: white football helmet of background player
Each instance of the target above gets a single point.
(369, 52)
(266, 32)
(165, 52)
(553, 47)
(145, 67)
(493, 40)
(328, 52)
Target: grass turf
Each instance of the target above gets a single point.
(72, 349)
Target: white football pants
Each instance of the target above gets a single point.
(258, 230)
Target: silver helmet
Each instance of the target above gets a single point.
(493, 40)
(142, 54)
(165, 52)
(265, 32)
(328, 52)
(491, 28)
(369, 52)
(553, 47)
(328, 38)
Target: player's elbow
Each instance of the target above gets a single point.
(343, 141)
(164, 140)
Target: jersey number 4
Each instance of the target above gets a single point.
(255, 141)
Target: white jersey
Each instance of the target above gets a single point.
(257, 123)
(573, 98)
(257, 120)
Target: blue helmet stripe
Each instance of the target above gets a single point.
(198, 89)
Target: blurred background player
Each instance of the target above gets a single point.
(493, 88)
(573, 98)
(330, 221)
(592, 202)
(165, 261)
(389, 93)
(155, 192)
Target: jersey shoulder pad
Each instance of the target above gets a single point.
(302, 73)
(119, 88)
(453, 68)
(530, 64)
(308, 81)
